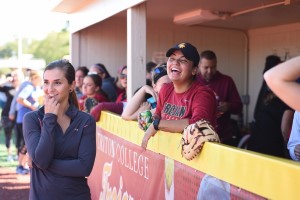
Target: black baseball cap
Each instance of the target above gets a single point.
(188, 50)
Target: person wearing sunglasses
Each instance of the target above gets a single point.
(183, 101)
(138, 103)
(122, 94)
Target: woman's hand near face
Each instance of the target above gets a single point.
(51, 105)
(151, 91)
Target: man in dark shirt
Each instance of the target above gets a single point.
(228, 98)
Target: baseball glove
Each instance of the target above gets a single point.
(194, 136)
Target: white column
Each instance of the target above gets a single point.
(136, 48)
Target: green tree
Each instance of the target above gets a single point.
(4, 71)
(9, 49)
(53, 47)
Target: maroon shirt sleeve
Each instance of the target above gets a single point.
(234, 98)
(204, 106)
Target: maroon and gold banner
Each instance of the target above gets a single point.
(122, 170)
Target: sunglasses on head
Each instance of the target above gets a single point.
(159, 72)
(159, 69)
(123, 76)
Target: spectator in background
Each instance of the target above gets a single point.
(115, 107)
(9, 88)
(13, 112)
(228, 98)
(92, 93)
(118, 82)
(183, 101)
(138, 103)
(282, 81)
(28, 100)
(122, 77)
(108, 82)
(271, 61)
(273, 119)
(2, 100)
(81, 72)
(149, 68)
(3, 80)
(61, 140)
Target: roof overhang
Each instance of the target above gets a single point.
(84, 13)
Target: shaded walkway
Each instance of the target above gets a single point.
(13, 186)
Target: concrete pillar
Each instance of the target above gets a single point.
(136, 48)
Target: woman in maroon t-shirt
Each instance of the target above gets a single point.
(183, 101)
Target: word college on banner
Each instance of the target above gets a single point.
(123, 170)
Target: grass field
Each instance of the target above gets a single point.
(3, 151)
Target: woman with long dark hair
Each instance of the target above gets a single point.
(60, 139)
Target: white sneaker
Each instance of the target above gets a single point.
(10, 158)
